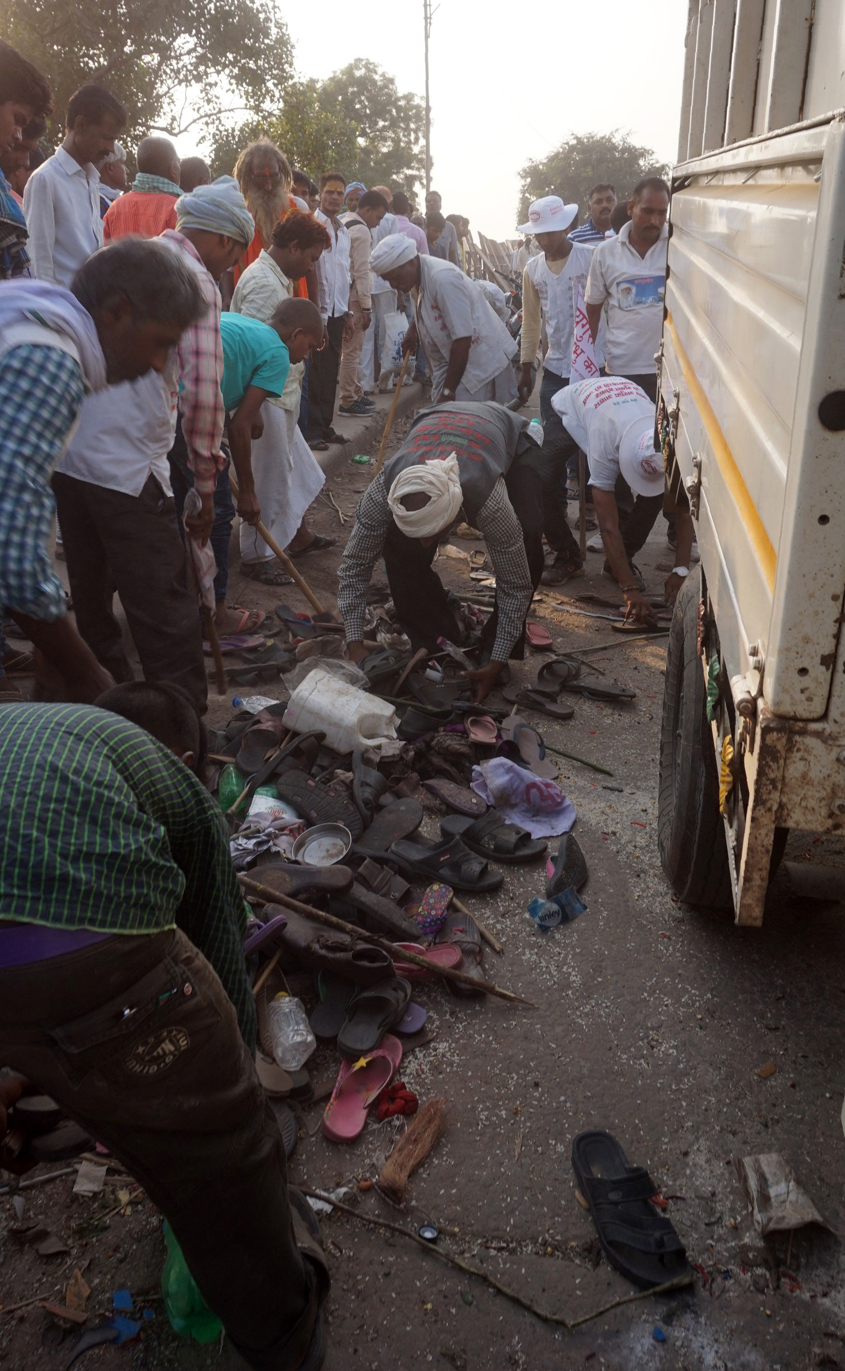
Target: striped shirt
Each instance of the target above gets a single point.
(587, 233)
(41, 390)
(102, 828)
(143, 213)
(503, 535)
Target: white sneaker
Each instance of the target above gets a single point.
(595, 544)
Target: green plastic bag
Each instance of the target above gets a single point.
(187, 1311)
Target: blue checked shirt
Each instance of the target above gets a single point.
(41, 390)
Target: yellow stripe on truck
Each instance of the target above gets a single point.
(760, 540)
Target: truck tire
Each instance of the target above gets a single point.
(691, 832)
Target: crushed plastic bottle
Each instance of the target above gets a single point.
(535, 431)
(253, 703)
(560, 909)
(290, 1031)
(187, 1311)
(455, 653)
(230, 786)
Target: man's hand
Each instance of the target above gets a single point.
(355, 651)
(671, 586)
(366, 319)
(410, 341)
(199, 525)
(257, 428)
(483, 681)
(248, 506)
(348, 328)
(525, 384)
(639, 610)
(81, 686)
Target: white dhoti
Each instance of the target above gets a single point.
(288, 478)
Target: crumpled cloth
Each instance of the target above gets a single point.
(534, 803)
(396, 1099)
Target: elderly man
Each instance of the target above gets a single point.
(447, 239)
(62, 197)
(474, 461)
(150, 206)
(548, 282)
(468, 346)
(112, 171)
(129, 307)
(265, 178)
(372, 207)
(612, 421)
(286, 472)
(601, 203)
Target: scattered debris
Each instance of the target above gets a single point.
(778, 1202)
(90, 1180)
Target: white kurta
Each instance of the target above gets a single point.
(449, 306)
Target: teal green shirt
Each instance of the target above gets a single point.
(253, 355)
(101, 827)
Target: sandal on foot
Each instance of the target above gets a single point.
(318, 544)
(356, 1088)
(640, 1243)
(267, 573)
(373, 1010)
(568, 868)
(491, 837)
(450, 862)
(251, 619)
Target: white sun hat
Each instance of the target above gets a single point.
(548, 215)
(641, 466)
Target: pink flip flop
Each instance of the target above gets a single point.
(480, 728)
(442, 954)
(357, 1085)
(538, 636)
(237, 642)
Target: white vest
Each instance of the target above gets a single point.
(556, 298)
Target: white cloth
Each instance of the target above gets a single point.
(125, 433)
(494, 295)
(333, 271)
(633, 288)
(440, 480)
(501, 389)
(532, 802)
(61, 203)
(39, 303)
(288, 478)
(260, 289)
(218, 208)
(555, 290)
(448, 307)
(387, 226)
(392, 252)
(597, 415)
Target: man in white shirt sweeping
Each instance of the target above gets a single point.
(62, 197)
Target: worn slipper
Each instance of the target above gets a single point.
(527, 698)
(318, 543)
(236, 642)
(285, 878)
(568, 868)
(416, 723)
(415, 1017)
(441, 955)
(286, 1120)
(368, 786)
(329, 1015)
(257, 744)
(538, 636)
(491, 837)
(273, 1079)
(358, 1085)
(631, 626)
(431, 914)
(300, 625)
(376, 913)
(456, 796)
(372, 1011)
(462, 930)
(480, 728)
(320, 804)
(340, 954)
(396, 820)
(318, 445)
(637, 1241)
(383, 667)
(451, 862)
(529, 745)
(267, 573)
(565, 673)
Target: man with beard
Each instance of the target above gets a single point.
(265, 178)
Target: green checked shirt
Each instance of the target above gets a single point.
(101, 827)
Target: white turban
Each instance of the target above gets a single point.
(392, 252)
(441, 482)
(218, 208)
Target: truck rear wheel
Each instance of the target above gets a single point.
(691, 833)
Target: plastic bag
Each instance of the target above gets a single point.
(395, 328)
(187, 1311)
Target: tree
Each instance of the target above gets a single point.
(312, 136)
(164, 59)
(583, 160)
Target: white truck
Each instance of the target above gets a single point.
(752, 409)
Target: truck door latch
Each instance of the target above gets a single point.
(693, 486)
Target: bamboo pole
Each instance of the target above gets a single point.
(389, 425)
(282, 556)
(270, 896)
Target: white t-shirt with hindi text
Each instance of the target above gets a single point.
(601, 414)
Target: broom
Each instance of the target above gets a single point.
(412, 1149)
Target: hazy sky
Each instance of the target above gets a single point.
(511, 82)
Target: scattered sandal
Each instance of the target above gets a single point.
(372, 1011)
(480, 728)
(568, 867)
(543, 703)
(538, 637)
(491, 837)
(441, 955)
(457, 797)
(358, 1085)
(451, 862)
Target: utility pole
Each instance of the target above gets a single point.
(428, 14)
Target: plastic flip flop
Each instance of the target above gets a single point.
(329, 1015)
(373, 1010)
(567, 868)
(527, 698)
(274, 1080)
(539, 637)
(415, 1017)
(457, 797)
(530, 746)
(286, 1119)
(462, 930)
(236, 642)
(397, 820)
(357, 1086)
(480, 728)
(445, 955)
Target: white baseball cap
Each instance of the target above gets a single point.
(548, 215)
(639, 463)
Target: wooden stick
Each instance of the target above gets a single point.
(210, 629)
(582, 504)
(573, 757)
(282, 556)
(389, 425)
(268, 971)
(485, 933)
(617, 642)
(270, 896)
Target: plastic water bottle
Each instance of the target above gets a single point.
(187, 1311)
(230, 786)
(560, 909)
(535, 431)
(293, 1039)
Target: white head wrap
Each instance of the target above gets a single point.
(441, 482)
(392, 252)
(218, 208)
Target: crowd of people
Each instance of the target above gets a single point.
(174, 350)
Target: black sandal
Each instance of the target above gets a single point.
(490, 836)
(636, 1240)
(450, 862)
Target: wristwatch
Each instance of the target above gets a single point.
(447, 394)
(680, 571)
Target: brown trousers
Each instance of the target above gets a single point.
(136, 1038)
